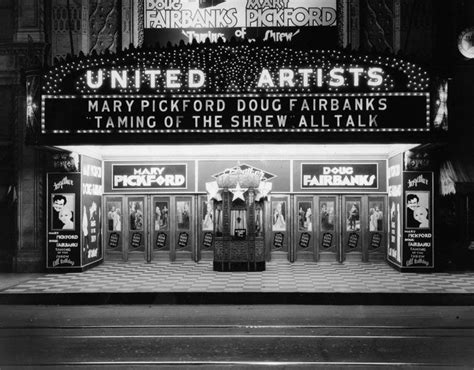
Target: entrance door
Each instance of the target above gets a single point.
(329, 226)
(182, 246)
(161, 234)
(354, 224)
(207, 218)
(149, 227)
(114, 239)
(339, 228)
(303, 239)
(278, 227)
(378, 225)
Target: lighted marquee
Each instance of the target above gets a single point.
(224, 88)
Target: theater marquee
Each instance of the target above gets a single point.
(232, 88)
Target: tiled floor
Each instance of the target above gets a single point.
(280, 276)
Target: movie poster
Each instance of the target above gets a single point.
(296, 21)
(279, 215)
(418, 208)
(63, 209)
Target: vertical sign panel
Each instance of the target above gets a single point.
(63, 209)
(395, 209)
(91, 210)
(418, 230)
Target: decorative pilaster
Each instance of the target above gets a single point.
(380, 25)
(127, 25)
(104, 22)
(30, 20)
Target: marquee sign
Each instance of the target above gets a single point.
(156, 176)
(228, 88)
(339, 176)
(277, 20)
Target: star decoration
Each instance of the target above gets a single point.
(238, 192)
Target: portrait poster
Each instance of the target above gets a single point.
(353, 216)
(135, 213)
(114, 216)
(161, 214)
(279, 209)
(376, 215)
(305, 216)
(207, 220)
(63, 221)
(327, 215)
(183, 209)
(418, 241)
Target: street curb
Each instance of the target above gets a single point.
(238, 298)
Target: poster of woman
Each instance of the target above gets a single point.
(207, 217)
(278, 216)
(375, 216)
(327, 215)
(114, 216)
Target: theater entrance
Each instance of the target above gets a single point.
(339, 228)
(149, 227)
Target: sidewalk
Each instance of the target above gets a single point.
(185, 281)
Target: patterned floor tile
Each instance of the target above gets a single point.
(280, 276)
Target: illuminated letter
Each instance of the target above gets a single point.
(286, 75)
(305, 72)
(356, 72)
(336, 77)
(152, 75)
(100, 79)
(265, 79)
(172, 78)
(376, 76)
(121, 79)
(193, 73)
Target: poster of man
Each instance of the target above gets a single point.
(182, 213)
(136, 215)
(62, 211)
(418, 210)
(278, 216)
(305, 215)
(161, 215)
(353, 216)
